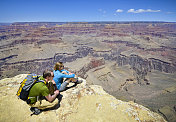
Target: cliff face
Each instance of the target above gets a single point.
(80, 103)
(140, 65)
(30, 46)
(131, 60)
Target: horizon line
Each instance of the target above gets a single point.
(82, 21)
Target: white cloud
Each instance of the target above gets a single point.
(149, 10)
(142, 10)
(119, 10)
(131, 10)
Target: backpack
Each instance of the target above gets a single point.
(26, 85)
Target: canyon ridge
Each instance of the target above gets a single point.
(133, 61)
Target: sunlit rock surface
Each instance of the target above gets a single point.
(79, 103)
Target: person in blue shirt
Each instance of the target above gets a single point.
(60, 73)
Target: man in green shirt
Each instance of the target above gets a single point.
(39, 91)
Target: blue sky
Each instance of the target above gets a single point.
(87, 10)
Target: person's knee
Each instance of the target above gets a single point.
(61, 89)
(50, 101)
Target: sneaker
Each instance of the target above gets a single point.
(79, 80)
(59, 97)
(35, 111)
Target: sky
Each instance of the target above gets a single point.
(87, 10)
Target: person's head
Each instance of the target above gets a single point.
(48, 75)
(59, 66)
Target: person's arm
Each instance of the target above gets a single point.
(53, 97)
(64, 72)
(67, 76)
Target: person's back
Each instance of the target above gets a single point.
(60, 73)
(40, 96)
(37, 91)
(58, 76)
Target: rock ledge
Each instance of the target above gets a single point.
(79, 103)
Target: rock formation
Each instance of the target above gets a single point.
(80, 103)
(133, 61)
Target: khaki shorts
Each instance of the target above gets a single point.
(43, 104)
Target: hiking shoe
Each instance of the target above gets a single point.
(79, 80)
(59, 97)
(35, 111)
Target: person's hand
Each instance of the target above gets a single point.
(56, 92)
(64, 72)
(53, 82)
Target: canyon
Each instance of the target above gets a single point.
(133, 61)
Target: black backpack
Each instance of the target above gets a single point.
(26, 85)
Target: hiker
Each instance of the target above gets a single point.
(60, 73)
(40, 96)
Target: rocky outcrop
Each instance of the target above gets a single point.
(168, 113)
(125, 54)
(87, 36)
(79, 103)
(79, 53)
(38, 65)
(138, 64)
(92, 64)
